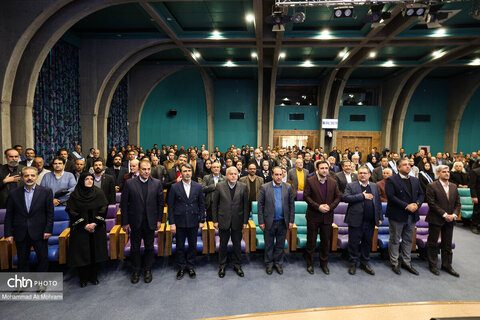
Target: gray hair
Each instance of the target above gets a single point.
(29, 168)
(460, 163)
(440, 168)
(231, 168)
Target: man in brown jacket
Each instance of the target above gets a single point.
(322, 196)
(444, 207)
(387, 172)
(253, 183)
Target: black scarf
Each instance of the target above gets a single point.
(84, 198)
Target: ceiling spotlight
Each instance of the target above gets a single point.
(439, 33)
(298, 17)
(282, 55)
(197, 54)
(342, 12)
(229, 63)
(438, 54)
(249, 17)
(216, 35)
(475, 62)
(372, 54)
(324, 35)
(388, 63)
(278, 19)
(376, 15)
(414, 9)
(307, 63)
(254, 55)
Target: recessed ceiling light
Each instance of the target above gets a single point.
(304, 97)
(475, 62)
(388, 63)
(307, 63)
(254, 54)
(325, 34)
(285, 99)
(373, 54)
(438, 54)
(249, 17)
(439, 33)
(216, 35)
(282, 55)
(229, 63)
(197, 54)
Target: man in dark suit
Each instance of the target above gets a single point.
(186, 214)
(345, 176)
(29, 156)
(230, 216)
(444, 208)
(322, 196)
(475, 193)
(258, 159)
(29, 220)
(104, 181)
(363, 213)
(405, 196)
(130, 157)
(142, 212)
(117, 172)
(69, 164)
(359, 153)
(158, 171)
(373, 153)
(334, 153)
(377, 174)
(209, 184)
(9, 175)
(276, 214)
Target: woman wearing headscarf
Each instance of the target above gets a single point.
(87, 209)
(207, 169)
(426, 176)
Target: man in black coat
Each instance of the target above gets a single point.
(9, 175)
(29, 220)
(186, 214)
(142, 212)
(475, 192)
(117, 172)
(104, 181)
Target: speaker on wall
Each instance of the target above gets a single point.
(172, 113)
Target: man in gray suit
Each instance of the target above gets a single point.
(209, 184)
(363, 213)
(294, 173)
(276, 213)
(230, 215)
(345, 176)
(377, 174)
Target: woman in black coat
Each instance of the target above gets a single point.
(459, 176)
(426, 176)
(87, 209)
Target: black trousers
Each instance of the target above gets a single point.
(275, 243)
(186, 260)
(88, 272)
(445, 246)
(148, 237)
(236, 236)
(313, 229)
(23, 253)
(360, 242)
(476, 215)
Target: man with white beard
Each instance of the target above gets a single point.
(9, 175)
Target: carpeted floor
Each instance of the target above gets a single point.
(209, 296)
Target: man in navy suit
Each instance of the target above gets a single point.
(186, 213)
(363, 213)
(405, 196)
(142, 211)
(29, 220)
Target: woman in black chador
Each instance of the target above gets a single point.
(87, 208)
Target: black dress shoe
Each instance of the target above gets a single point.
(221, 272)
(94, 281)
(325, 269)
(410, 269)
(434, 270)
(352, 270)
(147, 276)
(135, 277)
(367, 269)
(239, 271)
(451, 271)
(310, 270)
(279, 269)
(83, 284)
(180, 274)
(396, 269)
(474, 229)
(269, 270)
(191, 273)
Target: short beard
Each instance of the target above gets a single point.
(29, 183)
(13, 163)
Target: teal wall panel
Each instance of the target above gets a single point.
(373, 119)
(282, 122)
(469, 133)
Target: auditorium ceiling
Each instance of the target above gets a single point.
(232, 40)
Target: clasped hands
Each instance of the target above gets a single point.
(173, 227)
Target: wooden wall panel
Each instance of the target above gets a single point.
(365, 140)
